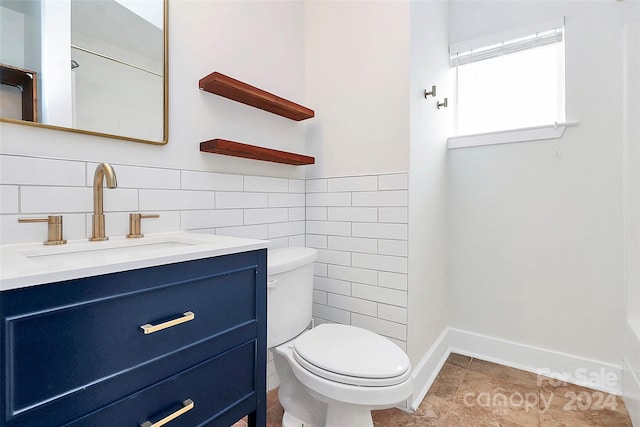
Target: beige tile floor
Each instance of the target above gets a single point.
(474, 393)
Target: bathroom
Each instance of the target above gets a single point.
(524, 254)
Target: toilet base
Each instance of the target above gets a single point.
(337, 416)
(289, 420)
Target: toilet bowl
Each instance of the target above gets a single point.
(332, 375)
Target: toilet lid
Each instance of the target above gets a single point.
(350, 354)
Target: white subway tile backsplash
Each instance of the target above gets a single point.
(334, 286)
(316, 185)
(248, 231)
(140, 177)
(296, 186)
(380, 231)
(319, 297)
(197, 219)
(334, 257)
(9, 199)
(329, 228)
(319, 269)
(380, 262)
(353, 274)
(286, 200)
(266, 184)
(355, 305)
(381, 198)
(168, 200)
(332, 314)
(264, 216)
(279, 242)
(353, 183)
(192, 180)
(296, 214)
(380, 326)
(316, 214)
(120, 199)
(399, 181)
(329, 199)
(379, 294)
(35, 171)
(392, 280)
(352, 214)
(352, 244)
(316, 241)
(393, 313)
(393, 247)
(240, 200)
(47, 200)
(283, 229)
(296, 241)
(399, 215)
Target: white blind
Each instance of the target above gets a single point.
(553, 35)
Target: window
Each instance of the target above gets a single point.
(510, 82)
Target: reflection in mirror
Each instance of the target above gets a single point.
(96, 66)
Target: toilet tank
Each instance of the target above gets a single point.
(289, 293)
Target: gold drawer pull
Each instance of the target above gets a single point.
(186, 317)
(187, 406)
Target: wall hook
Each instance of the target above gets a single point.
(432, 93)
(444, 104)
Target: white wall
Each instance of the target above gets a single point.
(536, 227)
(428, 177)
(260, 42)
(357, 62)
(631, 105)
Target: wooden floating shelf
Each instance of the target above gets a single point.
(237, 149)
(230, 88)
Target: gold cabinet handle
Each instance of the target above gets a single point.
(187, 406)
(186, 317)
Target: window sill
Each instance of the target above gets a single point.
(512, 135)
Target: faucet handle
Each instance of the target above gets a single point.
(54, 235)
(134, 224)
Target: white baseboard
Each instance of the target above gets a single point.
(631, 375)
(570, 368)
(631, 394)
(425, 372)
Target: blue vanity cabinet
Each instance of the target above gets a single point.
(76, 353)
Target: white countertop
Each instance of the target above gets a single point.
(30, 264)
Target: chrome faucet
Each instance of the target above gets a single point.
(103, 171)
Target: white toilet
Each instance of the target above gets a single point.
(331, 375)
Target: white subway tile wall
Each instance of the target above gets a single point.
(214, 203)
(359, 225)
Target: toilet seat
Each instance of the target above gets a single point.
(351, 355)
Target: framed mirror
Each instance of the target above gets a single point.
(96, 67)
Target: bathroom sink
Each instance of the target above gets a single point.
(32, 264)
(106, 251)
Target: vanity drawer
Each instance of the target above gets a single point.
(220, 382)
(90, 338)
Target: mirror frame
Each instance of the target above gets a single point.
(165, 113)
